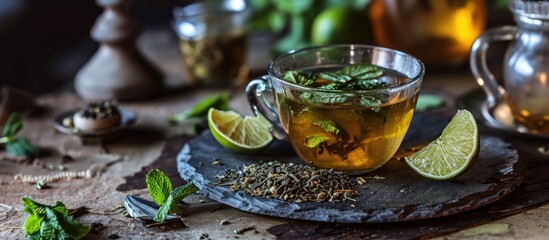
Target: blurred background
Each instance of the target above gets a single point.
(44, 43)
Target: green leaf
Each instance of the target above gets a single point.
(330, 86)
(327, 125)
(32, 224)
(299, 77)
(184, 191)
(277, 21)
(361, 71)
(314, 140)
(219, 101)
(334, 77)
(368, 84)
(13, 125)
(159, 186)
(51, 222)
(72, 227)
(293, 6)
(322, 98)
(370, 101)
(164, 210)
(426, 102)
(30, 205)
(356, 4)
(22, 147)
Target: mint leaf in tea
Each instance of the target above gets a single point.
(334, 127)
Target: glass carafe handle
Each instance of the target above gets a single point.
(494, 91)
(261, 105)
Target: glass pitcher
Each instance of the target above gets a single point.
(526, 65)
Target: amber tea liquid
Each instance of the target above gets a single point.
(365, 139)
(439, 32)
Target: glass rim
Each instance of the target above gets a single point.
(413, 80)
(202, 8)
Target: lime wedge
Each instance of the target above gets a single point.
(245, 135)
(452, 153)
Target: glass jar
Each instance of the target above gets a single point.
(526, 65)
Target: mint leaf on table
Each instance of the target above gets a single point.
(17, 145)
(184, 191)
(159, 186)
(21, 147)
(200, 110)
(51, 222)
(160, 189)
(164, 209)
(13, 125)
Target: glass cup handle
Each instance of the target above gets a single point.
(261, 105)
(494, 91)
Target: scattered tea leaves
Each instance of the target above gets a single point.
(360, 180)
(290, 182)
(224, 222)
(314, 140)
(41, 184)
(243, 230)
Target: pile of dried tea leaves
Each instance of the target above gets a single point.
(290, 182)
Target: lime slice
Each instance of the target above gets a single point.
(245, 135)
(452, 153)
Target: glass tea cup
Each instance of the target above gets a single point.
(354, 131)
(213, 41)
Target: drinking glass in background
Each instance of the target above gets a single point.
(439, 32)
(213, 40)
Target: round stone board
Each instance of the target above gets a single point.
(392, 193)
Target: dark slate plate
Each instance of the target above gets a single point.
(402, 195)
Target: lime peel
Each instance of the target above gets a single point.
(453, 153)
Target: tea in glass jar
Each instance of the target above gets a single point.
(213, 41)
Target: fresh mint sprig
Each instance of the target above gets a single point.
(17, 145)
(51, 222)
(161, 190)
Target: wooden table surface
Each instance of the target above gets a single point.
(119, 163)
